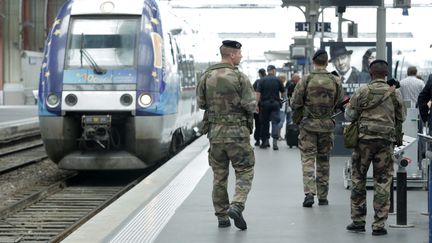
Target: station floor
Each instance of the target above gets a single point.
(174, 205)
(12, 114)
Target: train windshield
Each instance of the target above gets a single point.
(101, 42)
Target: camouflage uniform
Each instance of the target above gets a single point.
(376, 138)
(318, 96)
(227, 96)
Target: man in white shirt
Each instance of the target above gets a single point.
(411, 86)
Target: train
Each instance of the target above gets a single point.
(117, 85)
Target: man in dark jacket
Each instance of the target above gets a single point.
(424, 97)
(257, 133)
(268, 97)
(289, 87)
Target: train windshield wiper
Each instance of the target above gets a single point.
(84, 53)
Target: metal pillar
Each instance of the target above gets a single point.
(381, 32)
(311, 13)
(2, 17)
(391, 210)
(401, 196)
(340, 20)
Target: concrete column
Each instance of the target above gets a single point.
(13, 87)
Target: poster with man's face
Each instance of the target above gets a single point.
(351, 61)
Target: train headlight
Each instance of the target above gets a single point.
(71, 99)
(126, 99)
(145, 100)
(52, 100)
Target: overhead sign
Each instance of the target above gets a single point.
(350, 3)
(302, 26)
(323, 27)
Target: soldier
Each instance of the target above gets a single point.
(377, 108)
(227, 96)
(315, 99)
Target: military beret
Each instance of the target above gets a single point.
(232, 44)
(378, 61)
(318, 53)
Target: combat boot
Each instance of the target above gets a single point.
(224, 222)
(381, 231)
(308, 201)
(265, 144)
(235, 213)
(322, 202)
(356, 227)
(275, 146)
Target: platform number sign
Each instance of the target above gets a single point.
(323, 27)
(302, 26)
(305, 26)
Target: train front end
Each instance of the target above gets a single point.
(100, 83)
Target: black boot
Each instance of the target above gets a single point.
(275, 146)
(235, 213)
(308, 200)
(381, 231)
(265, 144)
(356, 227)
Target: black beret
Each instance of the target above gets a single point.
(318, 53)
(378, 61)
(271, 67)
(232, 44)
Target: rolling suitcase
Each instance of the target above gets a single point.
(291, 135)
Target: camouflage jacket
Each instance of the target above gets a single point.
(228, 98)
(378, 122)
(318, 94)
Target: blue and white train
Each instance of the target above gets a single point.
(117, 85)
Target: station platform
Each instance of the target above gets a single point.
(16, 121)
(174, 205)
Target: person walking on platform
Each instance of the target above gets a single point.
(423, 103)
(377, 108)
(411, 86)
(257, 133)
(283, 108)
(227, 96)
(314, 101)
(268, 94)
(289, 87)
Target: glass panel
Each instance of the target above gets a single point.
(109, 42)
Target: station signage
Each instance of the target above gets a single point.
(319, 26)
(302, 26)
(323, 27)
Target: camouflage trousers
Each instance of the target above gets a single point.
(315, 149)
(242, 159)
(380, 154)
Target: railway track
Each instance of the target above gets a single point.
(52, 213)
(21, 153)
